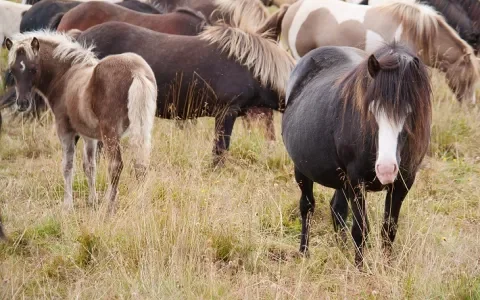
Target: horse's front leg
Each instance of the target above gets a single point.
(89, 167)
(360, 225)
(223, 131)
(393, 204)
(68, 145)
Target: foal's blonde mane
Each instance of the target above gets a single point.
(422, 22)
(268, 62)
(65, 47)
(257, 13)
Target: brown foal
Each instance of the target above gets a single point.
(96, 99)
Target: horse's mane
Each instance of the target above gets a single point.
(401, 89)
(257, 13)
(261, 55)
(66, 47)
(422, 22)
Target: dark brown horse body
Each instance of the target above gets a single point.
(220, 78)
(89, 14)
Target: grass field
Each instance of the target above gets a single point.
(191, 232)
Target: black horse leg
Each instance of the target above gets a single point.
(223, 132)
(360, 226)
(393, 204)
(307, 207)
(339, 209)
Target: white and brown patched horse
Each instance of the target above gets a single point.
(310, 24)
(97, 99)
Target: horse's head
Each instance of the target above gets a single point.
(462, 76)
(391, 92)
(23, 61)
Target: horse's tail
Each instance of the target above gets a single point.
(363, 2)
(55, 21)
(142, 99)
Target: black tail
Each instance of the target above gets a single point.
(363, 2)
(55, 21)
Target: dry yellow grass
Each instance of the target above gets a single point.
(191, 232)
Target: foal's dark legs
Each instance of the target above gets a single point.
(393, 204)
(360, 226)
(339, 209)
(307, 207)
(223, 131)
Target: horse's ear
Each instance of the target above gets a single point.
(467, 58)
(373, 66)
(8, 43)
(35, 45)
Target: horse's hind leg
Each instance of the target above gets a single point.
(115, 167)
(89, 167)
(2, 234)
(339, 209)
(393, 204)
(307, 207)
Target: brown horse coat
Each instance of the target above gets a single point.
(86, 15)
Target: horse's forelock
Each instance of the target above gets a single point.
(401, 90)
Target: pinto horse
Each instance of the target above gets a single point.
(233, 69)
(11, 15)
(41, 14)
(369, 27)
(357, 123)
(89, 14)
(97, 99)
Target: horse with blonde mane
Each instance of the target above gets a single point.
(97, 99)
(235, 67)
(369, 27)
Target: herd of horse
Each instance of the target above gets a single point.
(350, 79)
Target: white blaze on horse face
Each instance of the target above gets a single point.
(342, 12)
(386, 165)
(22, 66)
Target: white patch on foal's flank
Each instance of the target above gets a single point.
(342, 12)
(22, 68)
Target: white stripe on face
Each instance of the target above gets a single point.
(386, 165)
(22, 66)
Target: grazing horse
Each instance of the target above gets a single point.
(41, 14)
(89, 14)
(10, 16)
(234, 68)
(355, 123)
(369, 27)
(97, 99)
(462, 15)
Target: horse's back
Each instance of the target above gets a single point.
(312, 116)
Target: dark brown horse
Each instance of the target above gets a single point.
(89, 14)
(231, 69)
(97, 99)
(357, 123)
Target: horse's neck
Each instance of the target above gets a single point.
(53, 76)
(449, 49)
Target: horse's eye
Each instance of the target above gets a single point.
(33, 71)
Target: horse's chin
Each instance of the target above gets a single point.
(387, 178)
